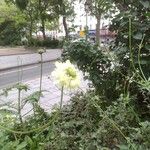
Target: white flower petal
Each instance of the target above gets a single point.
(65, 74)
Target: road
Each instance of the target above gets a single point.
(12, 76)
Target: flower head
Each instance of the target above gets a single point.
(41, 51)
(66, 75)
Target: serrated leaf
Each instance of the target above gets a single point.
(21, 146)
(146, 4)
(138, 36)
(123, 147)
(147, 47)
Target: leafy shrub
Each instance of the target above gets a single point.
(92, 121)
(132, 47)
(48, 42)
(85, 125)
(11, 33)
(132, 33)
(92, 60)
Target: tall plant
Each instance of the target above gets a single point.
(134, 15)
(132, 46)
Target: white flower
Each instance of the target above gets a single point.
(66, 75)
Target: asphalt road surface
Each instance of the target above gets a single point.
(10, 77)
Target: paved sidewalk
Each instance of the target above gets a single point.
(6, 51)
(7, 62)
(51, 96)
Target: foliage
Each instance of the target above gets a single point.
(98, 67)
(132, 48)
(10, 12)
(87, 122)
(98, 9)
(43, 15)
(133, 17)
(114, 114)
(48, 42)
(34, 14)
(11, 33)
(12, 24)
(85, 125)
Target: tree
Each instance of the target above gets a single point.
(10, 12)
(28, 8)
(37, 12)
(65, 9)
(46, 13)
(98, 8)
(12, 24)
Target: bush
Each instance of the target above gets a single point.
(48, 42)
(101, 71)
(132, 48)
(114, 115)
(11, 33)
(85, 125)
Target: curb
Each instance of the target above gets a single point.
(1, 55)
(30, 64)
(34, 52)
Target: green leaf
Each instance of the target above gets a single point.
(123, 147)
(21, 146)
(34, 97)
(31, 143)
(147, 14)
(146, 4)
(21, 87)
(147, 46)
(138, 36)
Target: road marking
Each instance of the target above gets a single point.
(18, 70)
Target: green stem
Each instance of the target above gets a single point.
(130, 44)
(139, 52)
(114, 124)
(19, 106)
(130, 47)
(37, 130)
(136, 116)
(41, 72)
(61, 98)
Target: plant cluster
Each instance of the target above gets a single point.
(132, 48)
(85, 123)
(98, 67)
(34, 17)
(48, 42)
(113, 115)
(11, 33)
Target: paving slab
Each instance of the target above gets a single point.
(6, 51)
(51, 95)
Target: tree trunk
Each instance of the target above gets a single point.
(30, 28)
(43, 28)
(98, 30)
(65, 27)
(30, 31)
